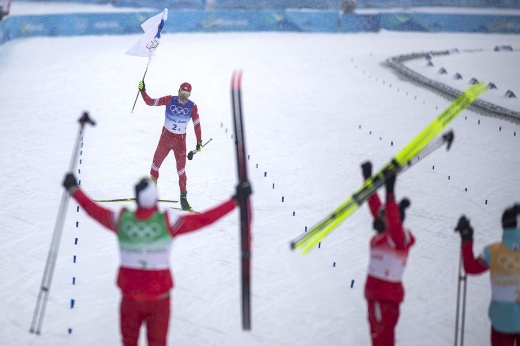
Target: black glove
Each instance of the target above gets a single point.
(403, 205)
(190, 155)
(70, 183)
(199, 146)
(366, 167)
(141, 86)
(390, 182)
(464, 228)
(244, 190)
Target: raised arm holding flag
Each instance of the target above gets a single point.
(149, 42)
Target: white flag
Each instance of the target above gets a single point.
(152, 33)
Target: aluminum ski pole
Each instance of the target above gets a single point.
(43, 295)
(460, 315)
(193, 152)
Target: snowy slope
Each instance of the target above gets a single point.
(316, 105)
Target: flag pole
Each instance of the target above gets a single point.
(138, 91)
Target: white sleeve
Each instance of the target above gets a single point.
(173, 218)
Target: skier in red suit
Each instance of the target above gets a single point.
(389, 250)
(178, 112)
(145, 237)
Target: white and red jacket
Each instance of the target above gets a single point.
(150, 284)
(388, 254)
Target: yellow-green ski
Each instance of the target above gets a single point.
(423, 144)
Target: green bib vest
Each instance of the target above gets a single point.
(144, 244)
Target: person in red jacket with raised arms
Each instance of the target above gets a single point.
(145, 237)
(389, 250)
(178, 112)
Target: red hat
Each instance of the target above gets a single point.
(186, 87)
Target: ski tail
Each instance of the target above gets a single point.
(245, 203)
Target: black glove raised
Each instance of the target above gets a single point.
(199, 146)
(366, 167)
(70, 183)
(464, 228)
(243, 191)
(390, 182)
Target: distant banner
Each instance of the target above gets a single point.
(447, 22)
(244, 21)
(360, 23)
(13, 27)
(75, 24)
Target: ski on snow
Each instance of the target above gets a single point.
(244, 203)
(191, 211)
(131, 200)
(422, 145)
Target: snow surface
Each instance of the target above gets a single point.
(316, 106)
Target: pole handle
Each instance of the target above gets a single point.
(85, 118)
(193, 152)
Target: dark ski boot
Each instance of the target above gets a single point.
(184, 201)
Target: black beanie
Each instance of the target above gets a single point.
(510, 217)
(146, 193)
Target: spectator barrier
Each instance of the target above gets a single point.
(335, 5)
(116, 23)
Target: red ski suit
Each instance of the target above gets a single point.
(383, 288)
(146, 293)
(172, 140)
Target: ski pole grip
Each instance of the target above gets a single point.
(85, 118)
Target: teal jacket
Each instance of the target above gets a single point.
(503, 261)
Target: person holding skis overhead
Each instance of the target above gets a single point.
(178, 112)
(145, 237)
(502, 259)
(389, 249)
